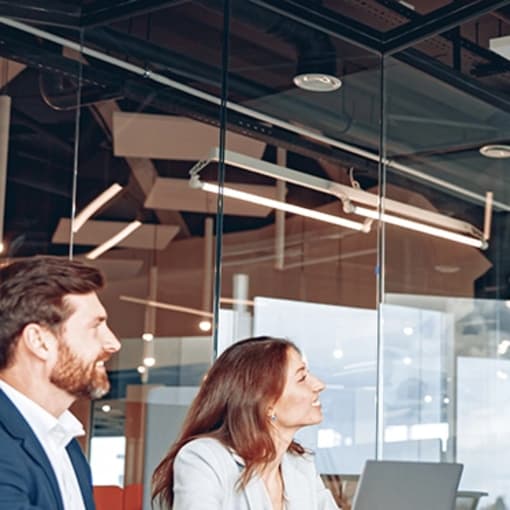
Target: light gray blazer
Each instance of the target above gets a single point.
(206, 473)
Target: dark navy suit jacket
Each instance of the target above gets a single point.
(27, 480)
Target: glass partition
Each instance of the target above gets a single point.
(443, 312)
(304, 267)
(39, 93)
(155, 115)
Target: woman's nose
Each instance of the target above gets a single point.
(318, 385)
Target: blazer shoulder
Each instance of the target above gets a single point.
(211, 452)
(206, 447)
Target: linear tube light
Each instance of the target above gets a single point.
(419, 227)
(117, 238)
(282, 206)
(94, 206)
(402, 212)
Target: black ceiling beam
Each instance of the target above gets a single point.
(436, 22)
(326, 21)
(164, 60)
(105, 12)
(454, 78)
(495, 63)
(47, 12)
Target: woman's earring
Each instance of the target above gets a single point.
(273, 417)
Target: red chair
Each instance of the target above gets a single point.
(108, 497)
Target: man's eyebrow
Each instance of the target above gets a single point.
(100, 318)
(301, 368)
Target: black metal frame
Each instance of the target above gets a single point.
(436, 22)
(419, 28)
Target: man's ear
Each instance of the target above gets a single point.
(36, 340)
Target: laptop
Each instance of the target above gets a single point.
(398, 485)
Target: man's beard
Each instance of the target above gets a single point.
(77, 377)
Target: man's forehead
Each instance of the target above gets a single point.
(85, 303)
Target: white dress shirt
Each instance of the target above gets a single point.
(54, 435)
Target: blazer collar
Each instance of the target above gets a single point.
(296, 485)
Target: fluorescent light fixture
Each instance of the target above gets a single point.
(393, 211)
(419, 227)
(284, 206)
(117, 238)
(94, 206)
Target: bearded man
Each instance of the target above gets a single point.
(54, 341)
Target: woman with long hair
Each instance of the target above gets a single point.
(236, 449)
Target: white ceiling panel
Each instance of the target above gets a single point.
(143, 135)
(95, 232)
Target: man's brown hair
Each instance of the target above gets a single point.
(32, 290)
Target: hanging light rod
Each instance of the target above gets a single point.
(183, 309)
(383, 209)
(282, 206)
(114, 240)
(166, 306)
(94, 206)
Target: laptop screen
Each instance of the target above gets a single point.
(397, 485)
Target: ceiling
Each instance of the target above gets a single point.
(423, 66)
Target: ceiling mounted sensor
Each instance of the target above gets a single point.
(495, 151)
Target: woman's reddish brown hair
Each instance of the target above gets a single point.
(232, 406)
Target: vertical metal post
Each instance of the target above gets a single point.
(279, 235)
(208, 264)
(5, 119)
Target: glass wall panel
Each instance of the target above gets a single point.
(303, 130)
(39, 90)
(444, 333)
(152, 115)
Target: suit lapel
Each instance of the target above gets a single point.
(256, 496)
(254, 492)
(82, 470)
(297, 484)
(18, 428)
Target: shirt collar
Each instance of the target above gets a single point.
(61, 430)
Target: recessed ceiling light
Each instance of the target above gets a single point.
(338, 353)
(205, 325)
(317, 82)
(495, 151)
(149, 361)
